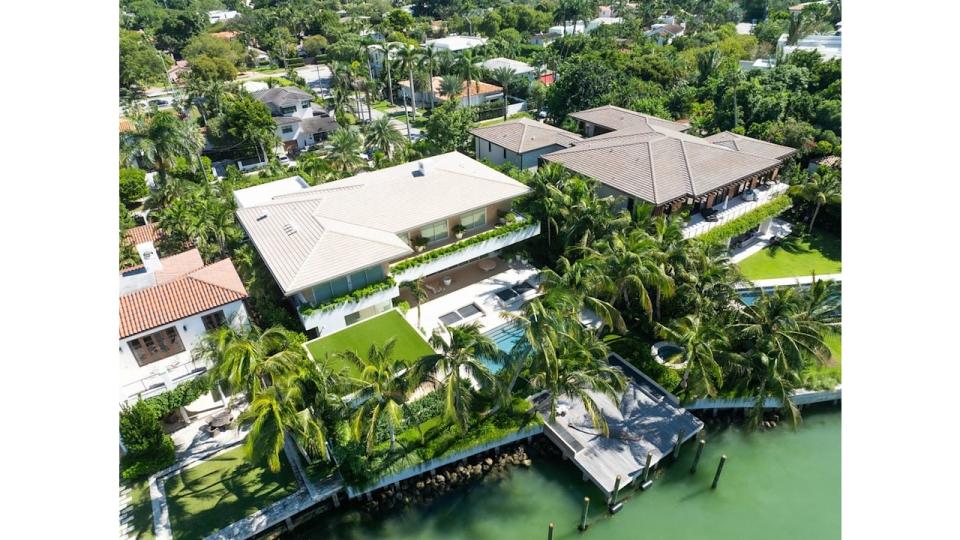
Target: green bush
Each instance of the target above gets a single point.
(413, 262)
(744, 223)
(136, 466)
(351, 296)
(149, 449)
(133, 185)
(180, 396)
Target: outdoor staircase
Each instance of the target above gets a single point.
(126, 514)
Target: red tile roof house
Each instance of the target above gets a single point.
(167, 305)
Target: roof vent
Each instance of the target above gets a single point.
(422, 168)
(291, 228)
(264, 215)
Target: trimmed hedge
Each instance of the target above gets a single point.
(413, 262)
(183, 395)
(351, 296)
(744, 223)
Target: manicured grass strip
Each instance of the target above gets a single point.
(142, 511)
(833, 341)
(223, 489)
(818, 253)
(358, 338)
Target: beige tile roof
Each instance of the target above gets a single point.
(182, 290)
(524, 135)
(329, 230)
(742, 143)
(660, 165)
(616, 118)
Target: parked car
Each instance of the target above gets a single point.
(158, 102)
(284, 160)
(709, 214)
(749, 195)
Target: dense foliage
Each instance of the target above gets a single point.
(148, 448)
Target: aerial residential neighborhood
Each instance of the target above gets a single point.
(535, 265)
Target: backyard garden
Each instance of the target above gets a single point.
(800, 255)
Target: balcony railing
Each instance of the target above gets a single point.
(464, 250)
(736, 208)
(163, 380)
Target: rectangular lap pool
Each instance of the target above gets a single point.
(505, 336)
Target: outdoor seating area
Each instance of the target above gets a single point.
(456, 278)
(731, 209)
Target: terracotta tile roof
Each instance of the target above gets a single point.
(144, 233)
(125, 125)
(182, 290)
(476, 87)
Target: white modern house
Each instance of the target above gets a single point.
(455, 43)
(167, 305)
(665, 32)
(828, 46)
(340, 250)
(567, 29)
(602, 21)
(218, 15)
(520, 142)
(521, 69)
(300, 122)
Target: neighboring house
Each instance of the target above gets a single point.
(602, 21)
(167, 305)
(480, 92)
(371, 34)
(143, 234)
(609, 118)
(221, 15)
(520, 142)
(258, 56)
(543, 38)
(827, 45)
(665, 33)
(521, 69)
(177, 70)
(300, 123)
(567, 29)
(333, 248)
(641, 158)
(797, 8)
(455, 43)
(376, 52)
(762, 64)
(612, 11)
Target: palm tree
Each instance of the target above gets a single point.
(450, 86)
(272, 416)
(585, 283)
(457, 364)
(419, 293)
(315, 167)
(248, 360)
(380, 135)
(446, 63)
(388, 63)
(797, 27)
(708, 62)
(346, 145)
(429, 62)
(822, 188)
(409, 57)
(632, 264)
(383, 393)
(469, 70)
(703, 345)
(159, 140)
(504, 76)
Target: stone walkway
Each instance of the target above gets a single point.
(778, 228)
(126, 514)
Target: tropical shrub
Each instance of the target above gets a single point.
(149, 449)
(744, 223)
(180, 396)
(133, 185)
(351, 296)
(413, 262)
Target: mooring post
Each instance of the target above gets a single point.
(676, 449)
(646, 468)
(616, 491)
(583, 517)
(550, 532)
(716, 477)
(696, 458)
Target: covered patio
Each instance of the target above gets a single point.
(733, 208)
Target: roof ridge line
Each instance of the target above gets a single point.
(686, 162)
(191, 275)
(653, 178)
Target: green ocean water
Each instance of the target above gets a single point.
(778, 484)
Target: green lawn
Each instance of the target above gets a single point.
(820, 253)
(221, 490)
(141, 510)
(377, 330)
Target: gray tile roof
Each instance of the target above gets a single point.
(524, 135)
(616, 118)
(319, 124)
(282, 96)
(320, 233)
(742, 143)
(659, 165)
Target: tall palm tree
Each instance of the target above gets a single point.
(383, 393)
(455, 367)
(388, 50)
(159, 140)
(315, 167)
(446, 63)
(822, 188)
(249, 360)
(585, 283)
(469, 70)
(273, 415)
(633, 266)
(703, 346)
(798, 25)
(346, 145)
(429, 62)
(408, 57)
(504, 76)
(708, 62)
(380, 135)
(419, 293)
(451, 86)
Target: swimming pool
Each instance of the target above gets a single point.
(505, 336)
(749, 296)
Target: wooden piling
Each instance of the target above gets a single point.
(676, 448)
(716, 477)
(646, 468)
(616, 491)
(696, 458)
(550, 532)
(583, 517)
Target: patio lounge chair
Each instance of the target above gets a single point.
(431, 288)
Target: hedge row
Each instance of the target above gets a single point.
(744, 223)
(413, 262)
(351, 296)
(181, 396)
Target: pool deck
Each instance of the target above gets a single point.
(482, 293)
(647, 419)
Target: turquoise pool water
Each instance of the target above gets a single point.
(505, 336)
(749, 296)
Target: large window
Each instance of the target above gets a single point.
(286, 129)
(288, 110)
(345, 284)
(305, 104)
(474, 220)
(156, 346)
(214, 320)
(435, 231)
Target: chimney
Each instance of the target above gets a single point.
(148, 254)
(423, 166)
